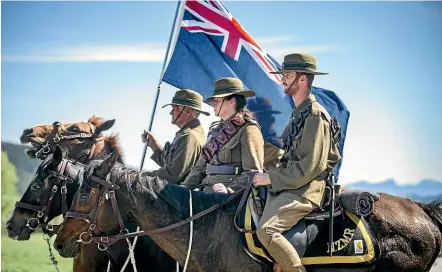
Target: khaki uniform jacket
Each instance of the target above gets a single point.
(177, 158)
(272, 156)
(245, 148)
(307, 158)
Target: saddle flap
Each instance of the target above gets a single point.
(297, 236)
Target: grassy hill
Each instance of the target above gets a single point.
(24, 167)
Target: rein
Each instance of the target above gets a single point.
(105, 241)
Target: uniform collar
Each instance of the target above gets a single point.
(230, 118)
(192, 124)
(305, 104)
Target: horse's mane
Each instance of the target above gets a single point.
(112, 141)
(434, 210)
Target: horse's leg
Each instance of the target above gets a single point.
(91, 259)
(405, 234)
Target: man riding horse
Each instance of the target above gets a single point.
(177, 158)
(297, 185)
(234, 147)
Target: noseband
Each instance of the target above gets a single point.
(66, 167)
(59, 133)
(107, 191)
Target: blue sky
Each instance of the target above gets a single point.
(66, 61)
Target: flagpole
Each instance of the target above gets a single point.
(173, 35)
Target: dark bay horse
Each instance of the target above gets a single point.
(409, 233)
(84, 143)
(38, 193)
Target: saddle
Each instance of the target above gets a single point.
(353, 243)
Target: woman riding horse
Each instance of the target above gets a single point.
(235, 145)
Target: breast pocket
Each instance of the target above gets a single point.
(230, 152)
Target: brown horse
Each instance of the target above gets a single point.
(85, 142)
(408, 233)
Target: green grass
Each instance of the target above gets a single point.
(31, 255)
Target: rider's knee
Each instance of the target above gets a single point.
(265, 234)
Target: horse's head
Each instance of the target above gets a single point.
(82, 139)
(91, 213)
(46, 196)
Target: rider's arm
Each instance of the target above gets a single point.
(185, 153)
(252, 156)
(158, 156)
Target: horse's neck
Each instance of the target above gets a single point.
(151, 215)
(118, 253)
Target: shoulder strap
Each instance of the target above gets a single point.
(217, 140)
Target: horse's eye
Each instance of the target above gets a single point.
(84, 197)
(36, 187)
(75, 129)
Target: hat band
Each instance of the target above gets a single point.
(187, 102)
(301, 66)
(227, 90)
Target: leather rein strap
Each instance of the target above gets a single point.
(109, 240)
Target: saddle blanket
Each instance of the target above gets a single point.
(353, 241)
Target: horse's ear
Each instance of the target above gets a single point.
(58, 155)
(105, 126)
(106, 166)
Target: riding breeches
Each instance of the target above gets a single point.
(281, 213)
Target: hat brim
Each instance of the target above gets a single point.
(245, 93)
(299, 71)
(178, 104)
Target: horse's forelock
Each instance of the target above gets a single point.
(96, 121)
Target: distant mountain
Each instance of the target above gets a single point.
(24, 167)
(424, 191)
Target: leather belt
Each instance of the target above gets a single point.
(223, 169)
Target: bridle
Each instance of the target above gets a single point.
(59, 133)
(65, 166)
(107, 191)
